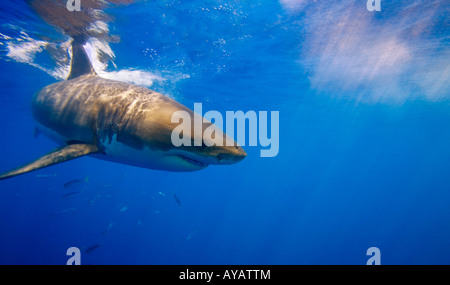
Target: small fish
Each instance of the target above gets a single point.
(191, 235)
(162, 194)
(63, 212)
(70, 194)
(92, 201)
(37, 132)
(108, 228)
(75, 182)
(45, 175)
(92, 248)
(177, 200)
(123, 209)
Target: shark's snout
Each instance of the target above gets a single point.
(231, 155)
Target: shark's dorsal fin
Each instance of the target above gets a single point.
(81, 65)
(60, 154)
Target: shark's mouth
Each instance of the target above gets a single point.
(193, 161)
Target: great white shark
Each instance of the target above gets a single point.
(116, 121)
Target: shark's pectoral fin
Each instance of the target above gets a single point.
(61, 154)
(37, 132)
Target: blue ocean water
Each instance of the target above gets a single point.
(364, 155)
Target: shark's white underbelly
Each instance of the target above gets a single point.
(145, 157)
(122, 153)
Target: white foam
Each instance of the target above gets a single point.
(348, 51)
(24, 49)
(139, 77)
(94, 48)
(294, 5)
